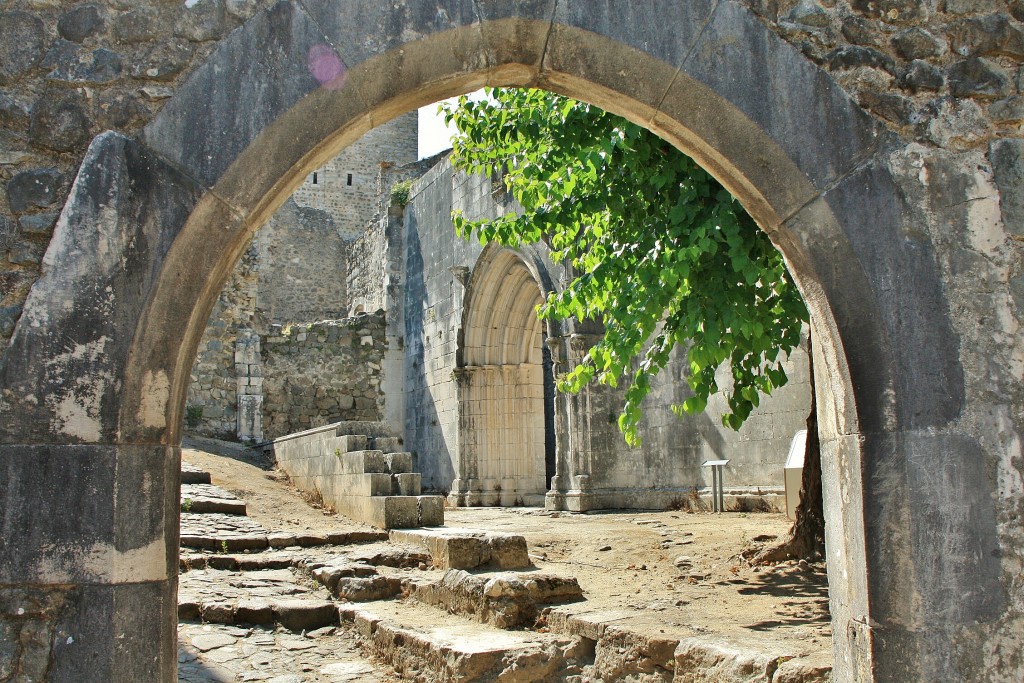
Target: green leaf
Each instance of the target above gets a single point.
(654, 239)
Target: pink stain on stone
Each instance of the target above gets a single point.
(326, 67)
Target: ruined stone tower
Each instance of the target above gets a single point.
(299, 269)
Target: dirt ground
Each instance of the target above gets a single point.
(667, 572)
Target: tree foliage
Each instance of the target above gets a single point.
(662, 254)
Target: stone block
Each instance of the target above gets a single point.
(348, 443)
(370, 484)
(703, 660)
(391, 512)
(398, 463)
(22, 37)
(468, 549)
(281, 539)
(218, 612)
(61, 122)
(304, 615)
(81, 22)
(366, 589)
(254, 611)
(188, 609)
(240, 543)
(387, 444)
(406, 484)
(431, 510)
(1007, 157)
(40, 187)
(508, 551)
(979, 77)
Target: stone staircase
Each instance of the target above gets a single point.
(439, 604)
(358, 470)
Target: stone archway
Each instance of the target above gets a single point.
(500, 387)
(95, 376)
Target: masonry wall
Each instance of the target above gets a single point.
(211, 408)
(302, 268)
(365, 261)
(324, 372)
(293, 270)
(667, 466)
(328, 238)
(347, 187)
(433, 304)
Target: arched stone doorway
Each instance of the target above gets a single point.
(500, 387)
(95, 376)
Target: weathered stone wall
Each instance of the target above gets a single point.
(667, 466)
(374, 260)
(365, 260)
(323, 372)
(433, 303)
(299, 268)
(68, 72)
(347, 187)
(302, 268)
(212, 403)
(293, 270)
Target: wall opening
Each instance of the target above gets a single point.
(506, 419)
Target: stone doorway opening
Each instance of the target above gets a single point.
(504, 388)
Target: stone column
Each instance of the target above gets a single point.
(555, 498)
(249, 374)
(575, 446)
(466, 476)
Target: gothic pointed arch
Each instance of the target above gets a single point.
(503, 429)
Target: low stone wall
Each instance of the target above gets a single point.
(323, 372)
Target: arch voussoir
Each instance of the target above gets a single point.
(258, 72)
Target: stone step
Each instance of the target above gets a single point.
(390, 555)
(375, 462)
(220, 532)
(393, 512)
(356, 582)
(638, 645)
(232, 533)
(388, 444)
(505, 599)
(421, 644)
(601, 645)
(739, 660)
(206, 498)
(280, 596)
(379, 484)
(455, 548)
(190, 474)
(373, 555)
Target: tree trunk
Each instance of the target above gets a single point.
(807, 537)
